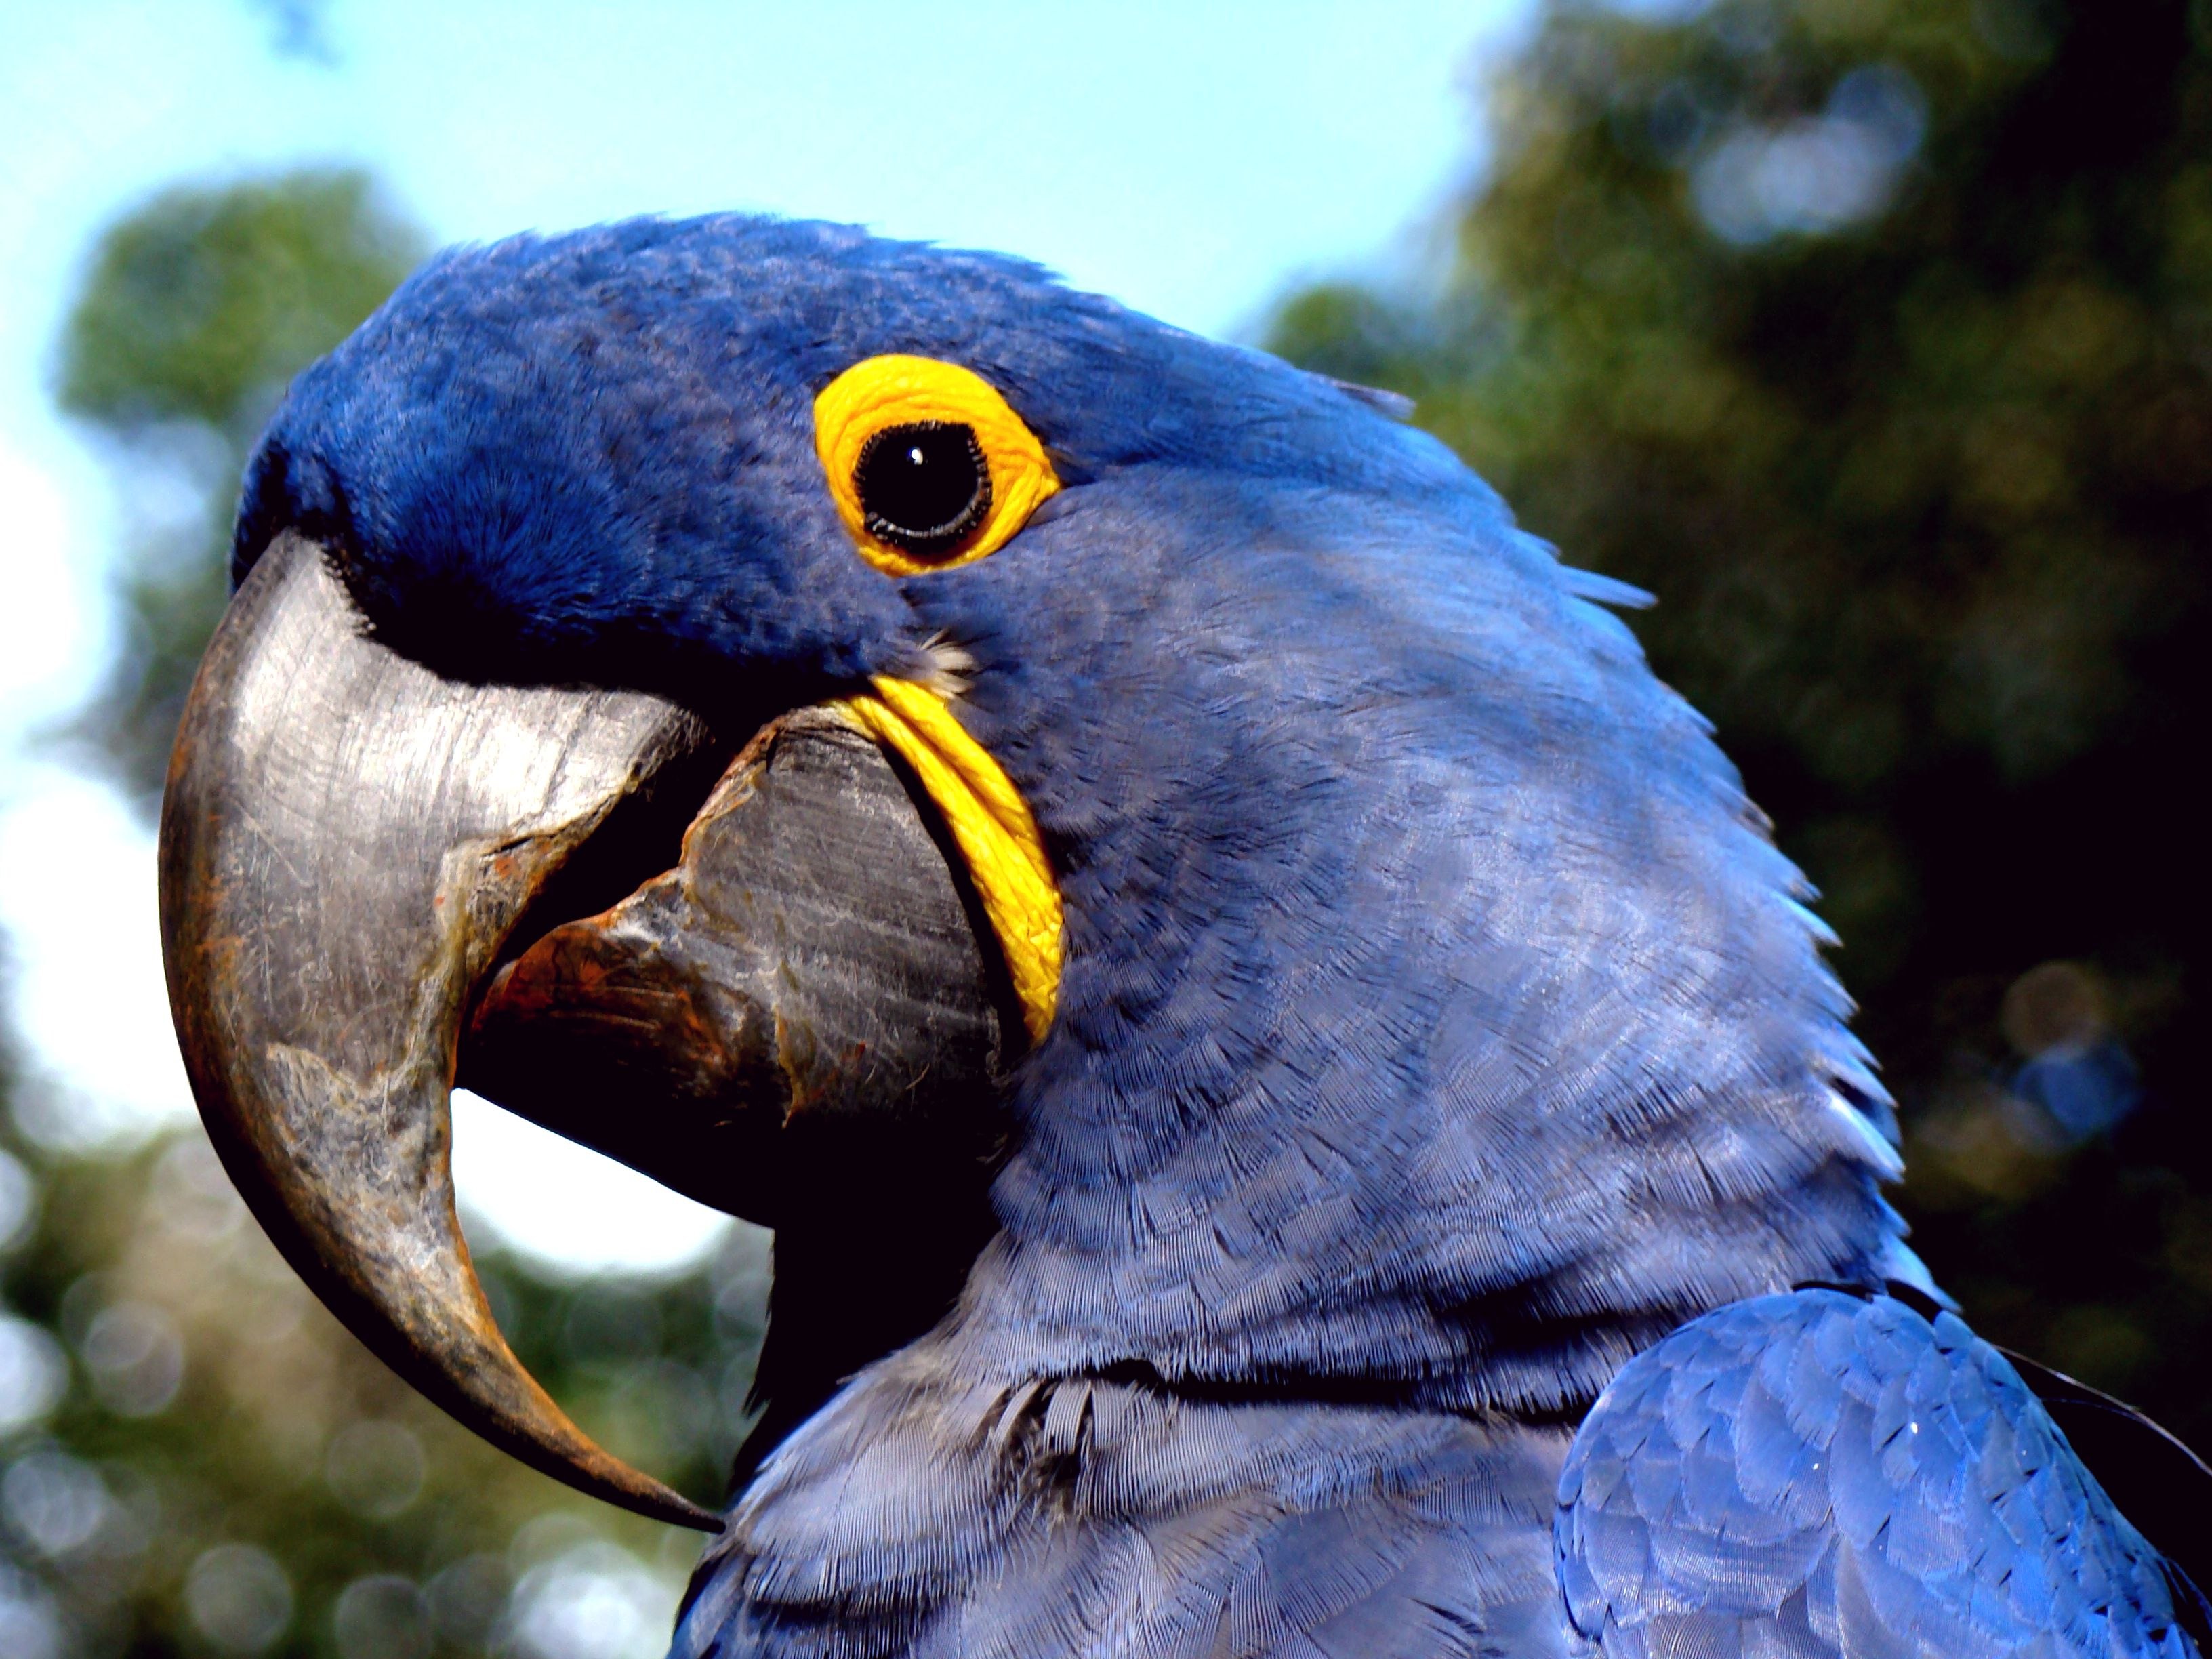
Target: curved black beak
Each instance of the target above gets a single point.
(349, 844)
(346, 839)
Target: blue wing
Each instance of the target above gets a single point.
(1827, 1473)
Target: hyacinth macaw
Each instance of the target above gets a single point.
(1303, 1111)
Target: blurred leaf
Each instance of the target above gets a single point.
(229, 1464)
(197, 310)
(203, 303)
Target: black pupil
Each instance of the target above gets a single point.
(923, 486)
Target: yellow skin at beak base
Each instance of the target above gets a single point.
(990, 824)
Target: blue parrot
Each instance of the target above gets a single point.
(1305, 1113)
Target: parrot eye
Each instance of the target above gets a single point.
(928, 465)
(923, 486)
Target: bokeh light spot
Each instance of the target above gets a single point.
(136, 1357)
(239, 1598)
(381, 1617)
(33, 1373)
(375, 1468)
(53, 1502)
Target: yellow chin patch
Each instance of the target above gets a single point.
(990, 824)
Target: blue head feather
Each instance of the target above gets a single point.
(1438, 1020)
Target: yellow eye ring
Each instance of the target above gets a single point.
(903, 439)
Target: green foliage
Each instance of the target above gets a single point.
(197, 310)
(227, 1467)
(1873, 336)
(203, 303)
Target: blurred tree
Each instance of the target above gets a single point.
(195, 1458)
(1874, 335)
(198, 309)
(198, 1459)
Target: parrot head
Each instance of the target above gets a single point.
(1115, 847)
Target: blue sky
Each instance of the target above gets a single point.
(1193, 160)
